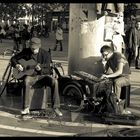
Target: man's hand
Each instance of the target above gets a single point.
(51, 64)
(104, 76)
(38, 68)
(19, 67)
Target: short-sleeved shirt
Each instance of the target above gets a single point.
(114, 61)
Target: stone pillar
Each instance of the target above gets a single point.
(87, 36)
(85, 39)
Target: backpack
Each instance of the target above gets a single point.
(108, 104)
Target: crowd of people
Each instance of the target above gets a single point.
(21, 34)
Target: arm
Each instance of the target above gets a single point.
(119, 61)
(118, 72)
(106, 67)
(15, 63)
(14, 59)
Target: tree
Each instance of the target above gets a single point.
(12, 11)
(41, 10)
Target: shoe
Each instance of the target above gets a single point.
(120, 105)
(58, 112)
(25, 111)
(125, 112)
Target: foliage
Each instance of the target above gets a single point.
(12, 11)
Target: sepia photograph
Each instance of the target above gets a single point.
(69, 70)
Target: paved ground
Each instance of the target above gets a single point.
(13, 104)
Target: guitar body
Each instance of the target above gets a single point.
(29, 67)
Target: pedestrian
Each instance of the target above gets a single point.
(16, 38)
(133, 42)
(120, 74)
(25, 36)
(59, 38)
(46, 30)
(35, 34)
(41, 75)
(1, 34)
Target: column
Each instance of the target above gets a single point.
(86, 35)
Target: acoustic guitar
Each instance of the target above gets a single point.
(29, 68)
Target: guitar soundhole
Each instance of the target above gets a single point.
(28, 67)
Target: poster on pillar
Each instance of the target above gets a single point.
(91, 36)
(114, 31)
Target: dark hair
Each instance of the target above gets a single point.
(106, 48)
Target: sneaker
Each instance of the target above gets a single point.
(58, 112)
(125, 112)
(25, 111)
(120, 105)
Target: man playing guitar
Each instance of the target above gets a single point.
(33, 65)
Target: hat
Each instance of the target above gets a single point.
(35, 43)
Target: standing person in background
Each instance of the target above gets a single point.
(16, 38)
(32, 29)
(35, 34)
(47, 30)
(134, 41)
(25, 36)
(59, 38)
(2, 33)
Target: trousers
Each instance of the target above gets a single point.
(120, 82)
(32, 82)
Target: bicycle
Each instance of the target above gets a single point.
(8, 72)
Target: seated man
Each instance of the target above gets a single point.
(41, 71)
(120, 69)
